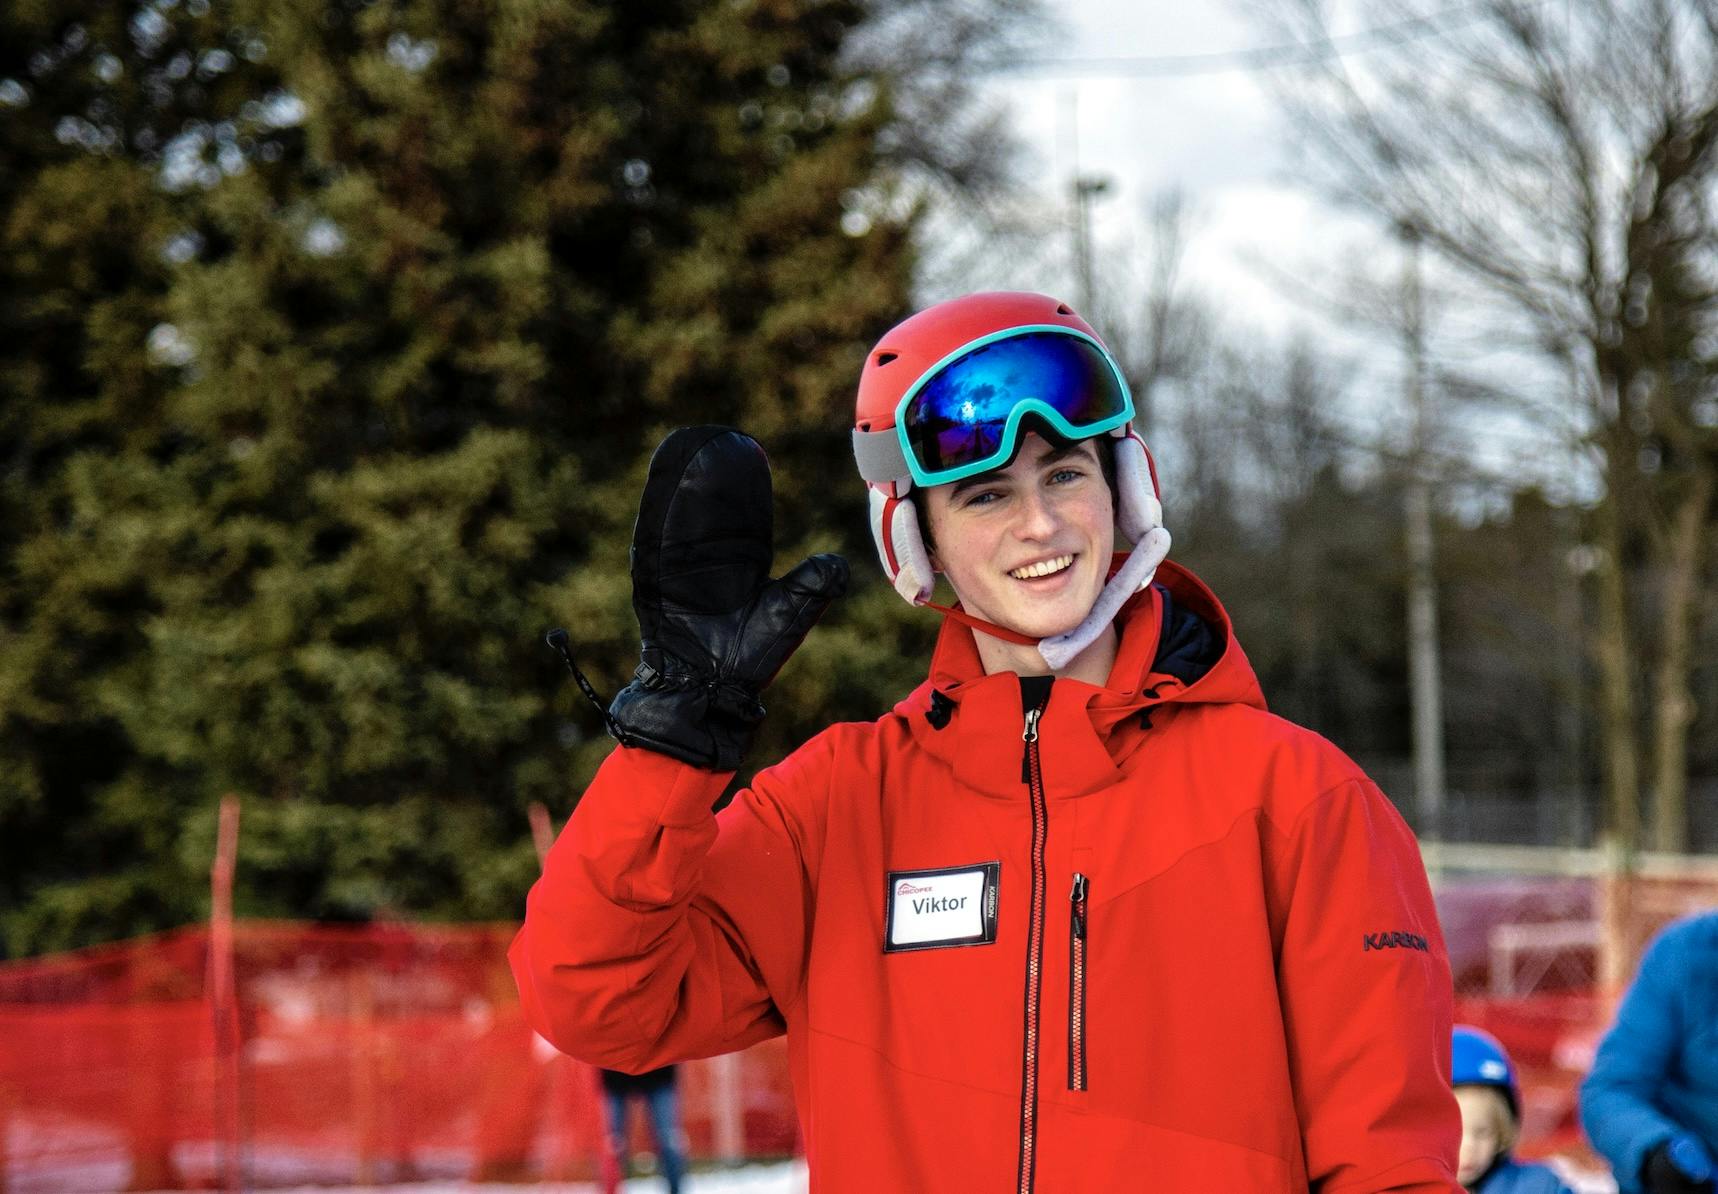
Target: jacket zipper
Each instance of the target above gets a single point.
(1077, 983)
(1032, 772)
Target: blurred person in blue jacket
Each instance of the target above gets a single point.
(1650, 1104)
(1490, 1100)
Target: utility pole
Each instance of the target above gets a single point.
(1081, 191)
(1085, 189)
(1425, 688)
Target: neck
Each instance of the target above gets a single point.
(1091, 665)
(1496, 1163)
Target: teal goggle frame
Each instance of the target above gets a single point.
(963, 416)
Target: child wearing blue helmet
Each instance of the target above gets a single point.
(1490, 1100)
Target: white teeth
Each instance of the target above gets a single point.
(1042, 568)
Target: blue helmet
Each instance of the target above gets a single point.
(1478, 1059)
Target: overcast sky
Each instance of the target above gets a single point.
(1213, 133)
(1218, 135)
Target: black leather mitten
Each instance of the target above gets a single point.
(715, 627)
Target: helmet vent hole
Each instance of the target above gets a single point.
(883, 358)
(1064, 309)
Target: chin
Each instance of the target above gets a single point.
(1044, 624)
(1038, 618)
(1065, 618)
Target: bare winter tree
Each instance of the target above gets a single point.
(950, 157)
(1565, 157)
(1162, 332)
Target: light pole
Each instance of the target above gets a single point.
(1086, 187)
(1425, 687)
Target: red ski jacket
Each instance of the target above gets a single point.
(1149, 938)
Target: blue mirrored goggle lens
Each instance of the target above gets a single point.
(960, 416)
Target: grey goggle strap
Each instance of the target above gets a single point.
(878, 454)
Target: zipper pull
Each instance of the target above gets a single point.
(1077, 898)
(1030, 738)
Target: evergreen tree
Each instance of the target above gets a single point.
(392, 308)
(91, 98)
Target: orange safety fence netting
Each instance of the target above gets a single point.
(374, 1053)
(388, 1053)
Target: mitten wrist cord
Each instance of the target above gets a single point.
(557, 638)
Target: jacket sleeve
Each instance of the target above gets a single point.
(1618, 1107)
(659, 932)
(1367, 999)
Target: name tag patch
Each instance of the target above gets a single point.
(933, 909)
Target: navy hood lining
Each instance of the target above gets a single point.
(1187, 645)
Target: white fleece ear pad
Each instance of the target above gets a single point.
(895, 524)
(917, 578)
(1140, 511)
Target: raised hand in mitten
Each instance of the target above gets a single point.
(715, 627)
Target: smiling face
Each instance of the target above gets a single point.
(1027, 546)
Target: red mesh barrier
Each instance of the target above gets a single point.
(367, 1054)
(391, 1053)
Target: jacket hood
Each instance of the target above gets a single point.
(1177, 649)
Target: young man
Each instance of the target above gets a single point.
(1078, 914)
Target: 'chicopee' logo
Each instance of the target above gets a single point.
(907, 888)
(1394, 941)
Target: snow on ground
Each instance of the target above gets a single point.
(786, 1177)
(1582, 1181)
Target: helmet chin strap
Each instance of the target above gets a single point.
(1059, 650)
(980, 625)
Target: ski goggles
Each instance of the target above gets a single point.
(963, 416)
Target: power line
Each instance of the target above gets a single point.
(1257, 59)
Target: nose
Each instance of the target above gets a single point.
(1037, 519)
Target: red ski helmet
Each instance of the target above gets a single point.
(915, 355)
